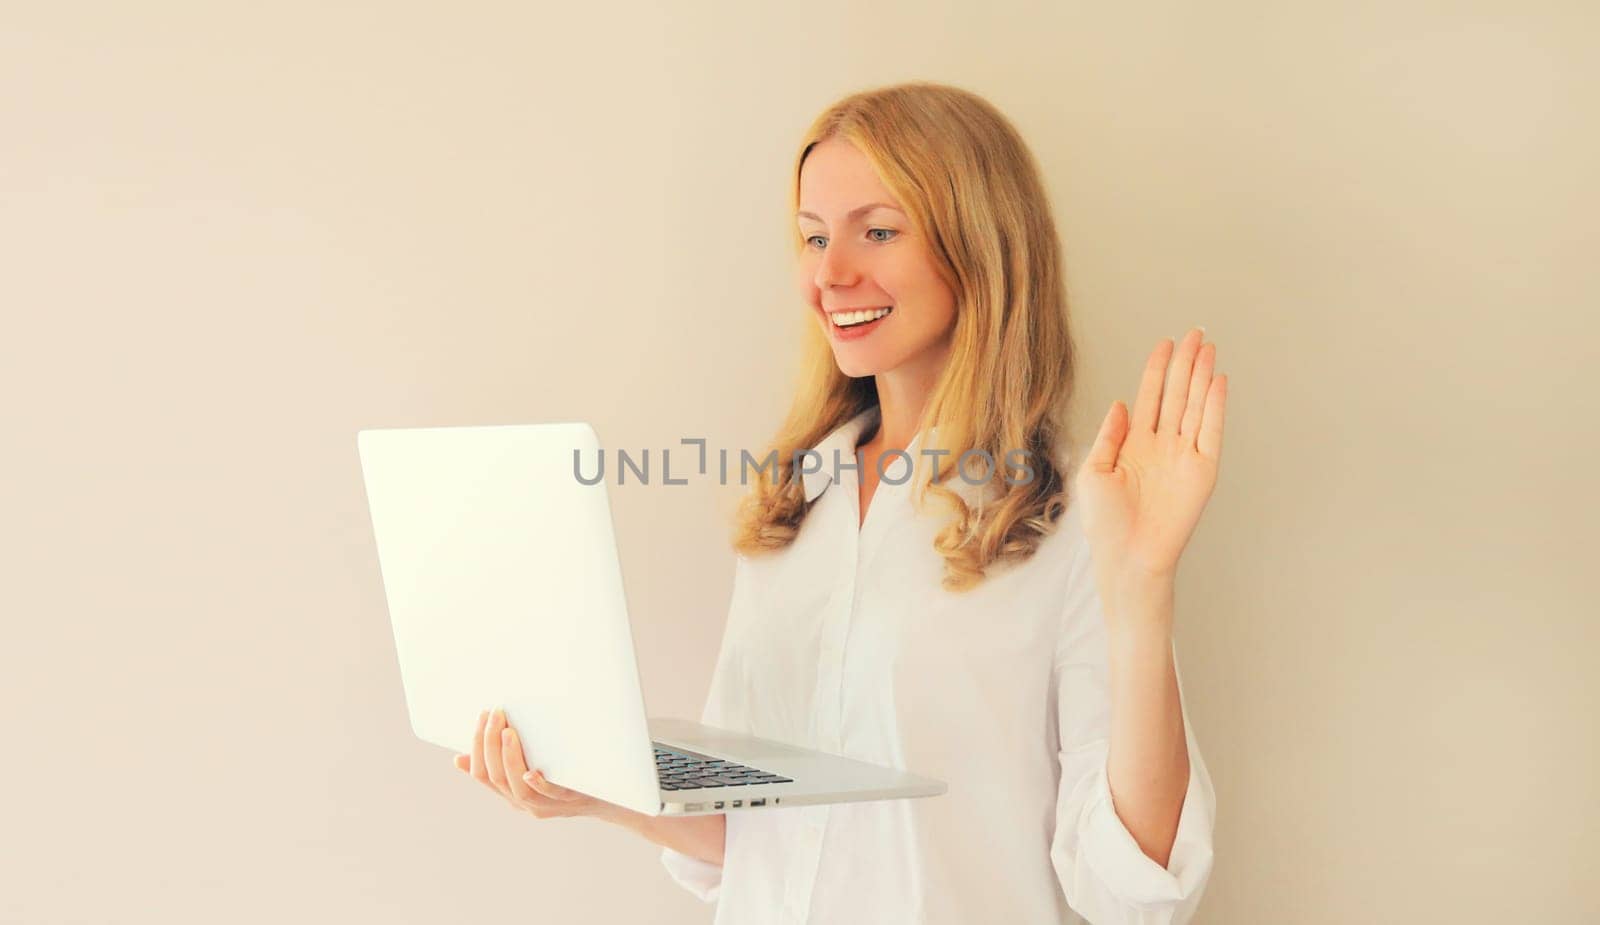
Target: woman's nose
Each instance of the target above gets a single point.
(835, 269)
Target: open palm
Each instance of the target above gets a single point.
(1146, 480)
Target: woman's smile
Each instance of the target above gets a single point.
(851, 325)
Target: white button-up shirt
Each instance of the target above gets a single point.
(845, 642)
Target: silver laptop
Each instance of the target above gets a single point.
(504, 590)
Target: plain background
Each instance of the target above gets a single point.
(230, 237)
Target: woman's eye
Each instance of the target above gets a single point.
(870, 231)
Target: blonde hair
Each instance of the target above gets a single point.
(971, 187)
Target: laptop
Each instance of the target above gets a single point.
(504, 589)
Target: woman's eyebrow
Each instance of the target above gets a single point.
(859, 210)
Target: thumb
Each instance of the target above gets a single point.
(1108, 442)
(464, 762)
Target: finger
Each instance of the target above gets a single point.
(1175, 399)
(1108, 442)
(491, 751)
(1199, 386)
(464, 763)
(515, 766)
(553, 791)
(542, 803)
(479, 770)
(1210, 442)
(1148, 401)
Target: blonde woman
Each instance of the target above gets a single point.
(917, 586)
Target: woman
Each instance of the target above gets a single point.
(972, 622)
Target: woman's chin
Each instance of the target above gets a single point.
(855, 367)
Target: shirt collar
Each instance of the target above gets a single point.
(843, 439)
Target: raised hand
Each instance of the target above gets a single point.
(1146, 479)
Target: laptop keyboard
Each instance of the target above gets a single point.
(681, 770)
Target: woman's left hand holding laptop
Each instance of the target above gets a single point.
(496, 761)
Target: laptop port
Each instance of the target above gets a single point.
(737, 803)
(717, 805)
(761, 802)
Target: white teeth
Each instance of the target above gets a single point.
(844, 319)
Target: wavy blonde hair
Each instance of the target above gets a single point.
(972, 189)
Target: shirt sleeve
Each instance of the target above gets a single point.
(701, 878)
(1104, 874)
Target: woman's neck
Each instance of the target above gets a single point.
(901, 398)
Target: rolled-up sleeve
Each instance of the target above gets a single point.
(699, 877)
(1104, 874)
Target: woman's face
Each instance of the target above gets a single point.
(861, 255)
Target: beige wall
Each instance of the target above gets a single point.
(228, 240)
